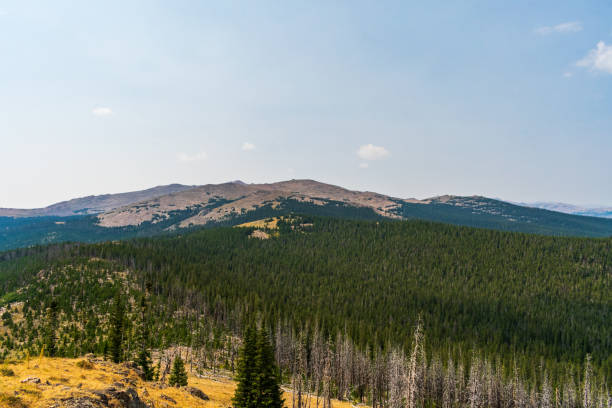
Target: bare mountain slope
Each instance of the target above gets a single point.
(168, 208)
(218, 201)
(94, 204)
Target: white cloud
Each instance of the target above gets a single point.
(246, 146)
(186, 157)
(567, 74)
(363, 165)
(371, 152)
(569, 27)
(102, 111)
(598, 59)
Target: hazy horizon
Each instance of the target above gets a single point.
(409, 100)
(534, 203)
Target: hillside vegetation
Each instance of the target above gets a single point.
(235, 203)
(64, 382)
(522, 310)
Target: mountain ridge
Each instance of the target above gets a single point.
(150, 212)
(592, 211)
(93, 204)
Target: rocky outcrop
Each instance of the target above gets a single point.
(196, 393)
(109, 397)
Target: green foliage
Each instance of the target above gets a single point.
(117, 329)
(257, 374)
(50, 339)
(266, 384)
(178, 375)
(508, 293)
(144, 355)
(245, 395)
(525, 299)
(24, 232)
(502, 216)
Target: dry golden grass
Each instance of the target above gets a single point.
(267, 223)
(64, 378)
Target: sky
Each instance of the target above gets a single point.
(511, 100)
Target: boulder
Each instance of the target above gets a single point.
(167, 398)
(196, 392)
(33, 380)
(127, 397)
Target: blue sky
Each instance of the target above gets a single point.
(413, 99)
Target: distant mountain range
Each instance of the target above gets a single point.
(603, 212)
(93, 204)
(174, 208)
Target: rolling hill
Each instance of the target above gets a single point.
(93, 204)
(176, 208)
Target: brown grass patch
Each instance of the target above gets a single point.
(85, 364)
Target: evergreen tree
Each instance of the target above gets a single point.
(245, 396)
(178, 375)
(105, 350)
(144, 355)
(267, 389)
(50, 339)
(117, 328)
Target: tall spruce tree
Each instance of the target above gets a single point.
(116, 328)
(178, 375)
(144, 355)
(51, 328)
(245, 395)
(267, 389)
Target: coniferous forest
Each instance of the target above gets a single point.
(387, 313)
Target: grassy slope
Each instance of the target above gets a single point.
(65, 377)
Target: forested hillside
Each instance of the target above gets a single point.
(523, 312)
(234, 203)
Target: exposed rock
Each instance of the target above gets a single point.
(196, 392)
(80, 402)
(128, 398)
(167, 398)
(33, 380)
(259, 234)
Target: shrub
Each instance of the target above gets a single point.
(10, 401)
(7, 372)
(85, 364)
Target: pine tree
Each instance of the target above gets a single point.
(178, 375)
(51, 330)
(244, 397)
(116, 329)
(105, 350)
(267, 390)
(144, 355)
